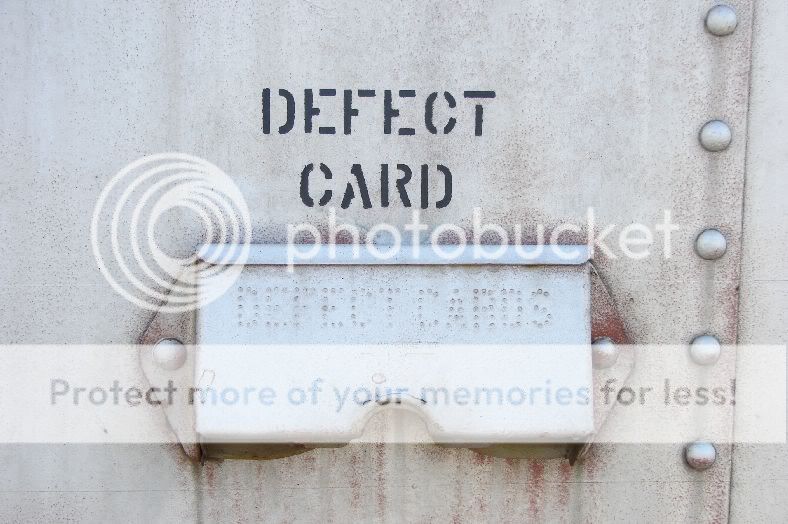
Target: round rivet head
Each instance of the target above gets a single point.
(705, 350)
(721, 20)
(604, 353)
(715, 136)
(169, 354)
(711, 244)
(700, 455)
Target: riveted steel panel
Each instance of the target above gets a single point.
(597, 105)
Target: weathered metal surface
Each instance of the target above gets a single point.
(181, 327)
(597, 106)
(271, 295)
(394, 321)
(412, 302)
(606, 325)
(759, 478)
(267, 319)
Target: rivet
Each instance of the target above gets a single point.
(700, 455)
(710, 244)
(378, 378)
(705, 350)
(721, 20)
(604, 353)
(715, 136)
(169, 353)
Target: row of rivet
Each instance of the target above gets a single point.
(710, 244)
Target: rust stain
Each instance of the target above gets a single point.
(717, 502)
(565, 476)
(731, 306)
(590, 464)
(355, 482)
(309, 462)
(380, 488)
(208, 471)
(480, 459)
(535, 487)
(512, 473)
(605, 319)
(480, 503)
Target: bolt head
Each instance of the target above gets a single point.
(705, 350)
(711, 244)
(721, 20)
(604, 353)
(700, 455)
(169, 354)
(715, 136)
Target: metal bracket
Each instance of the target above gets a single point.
(605, 322)
(181, 327)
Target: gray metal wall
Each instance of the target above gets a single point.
(606, 99)
(759, 479)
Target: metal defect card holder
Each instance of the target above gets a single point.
(534, 311)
